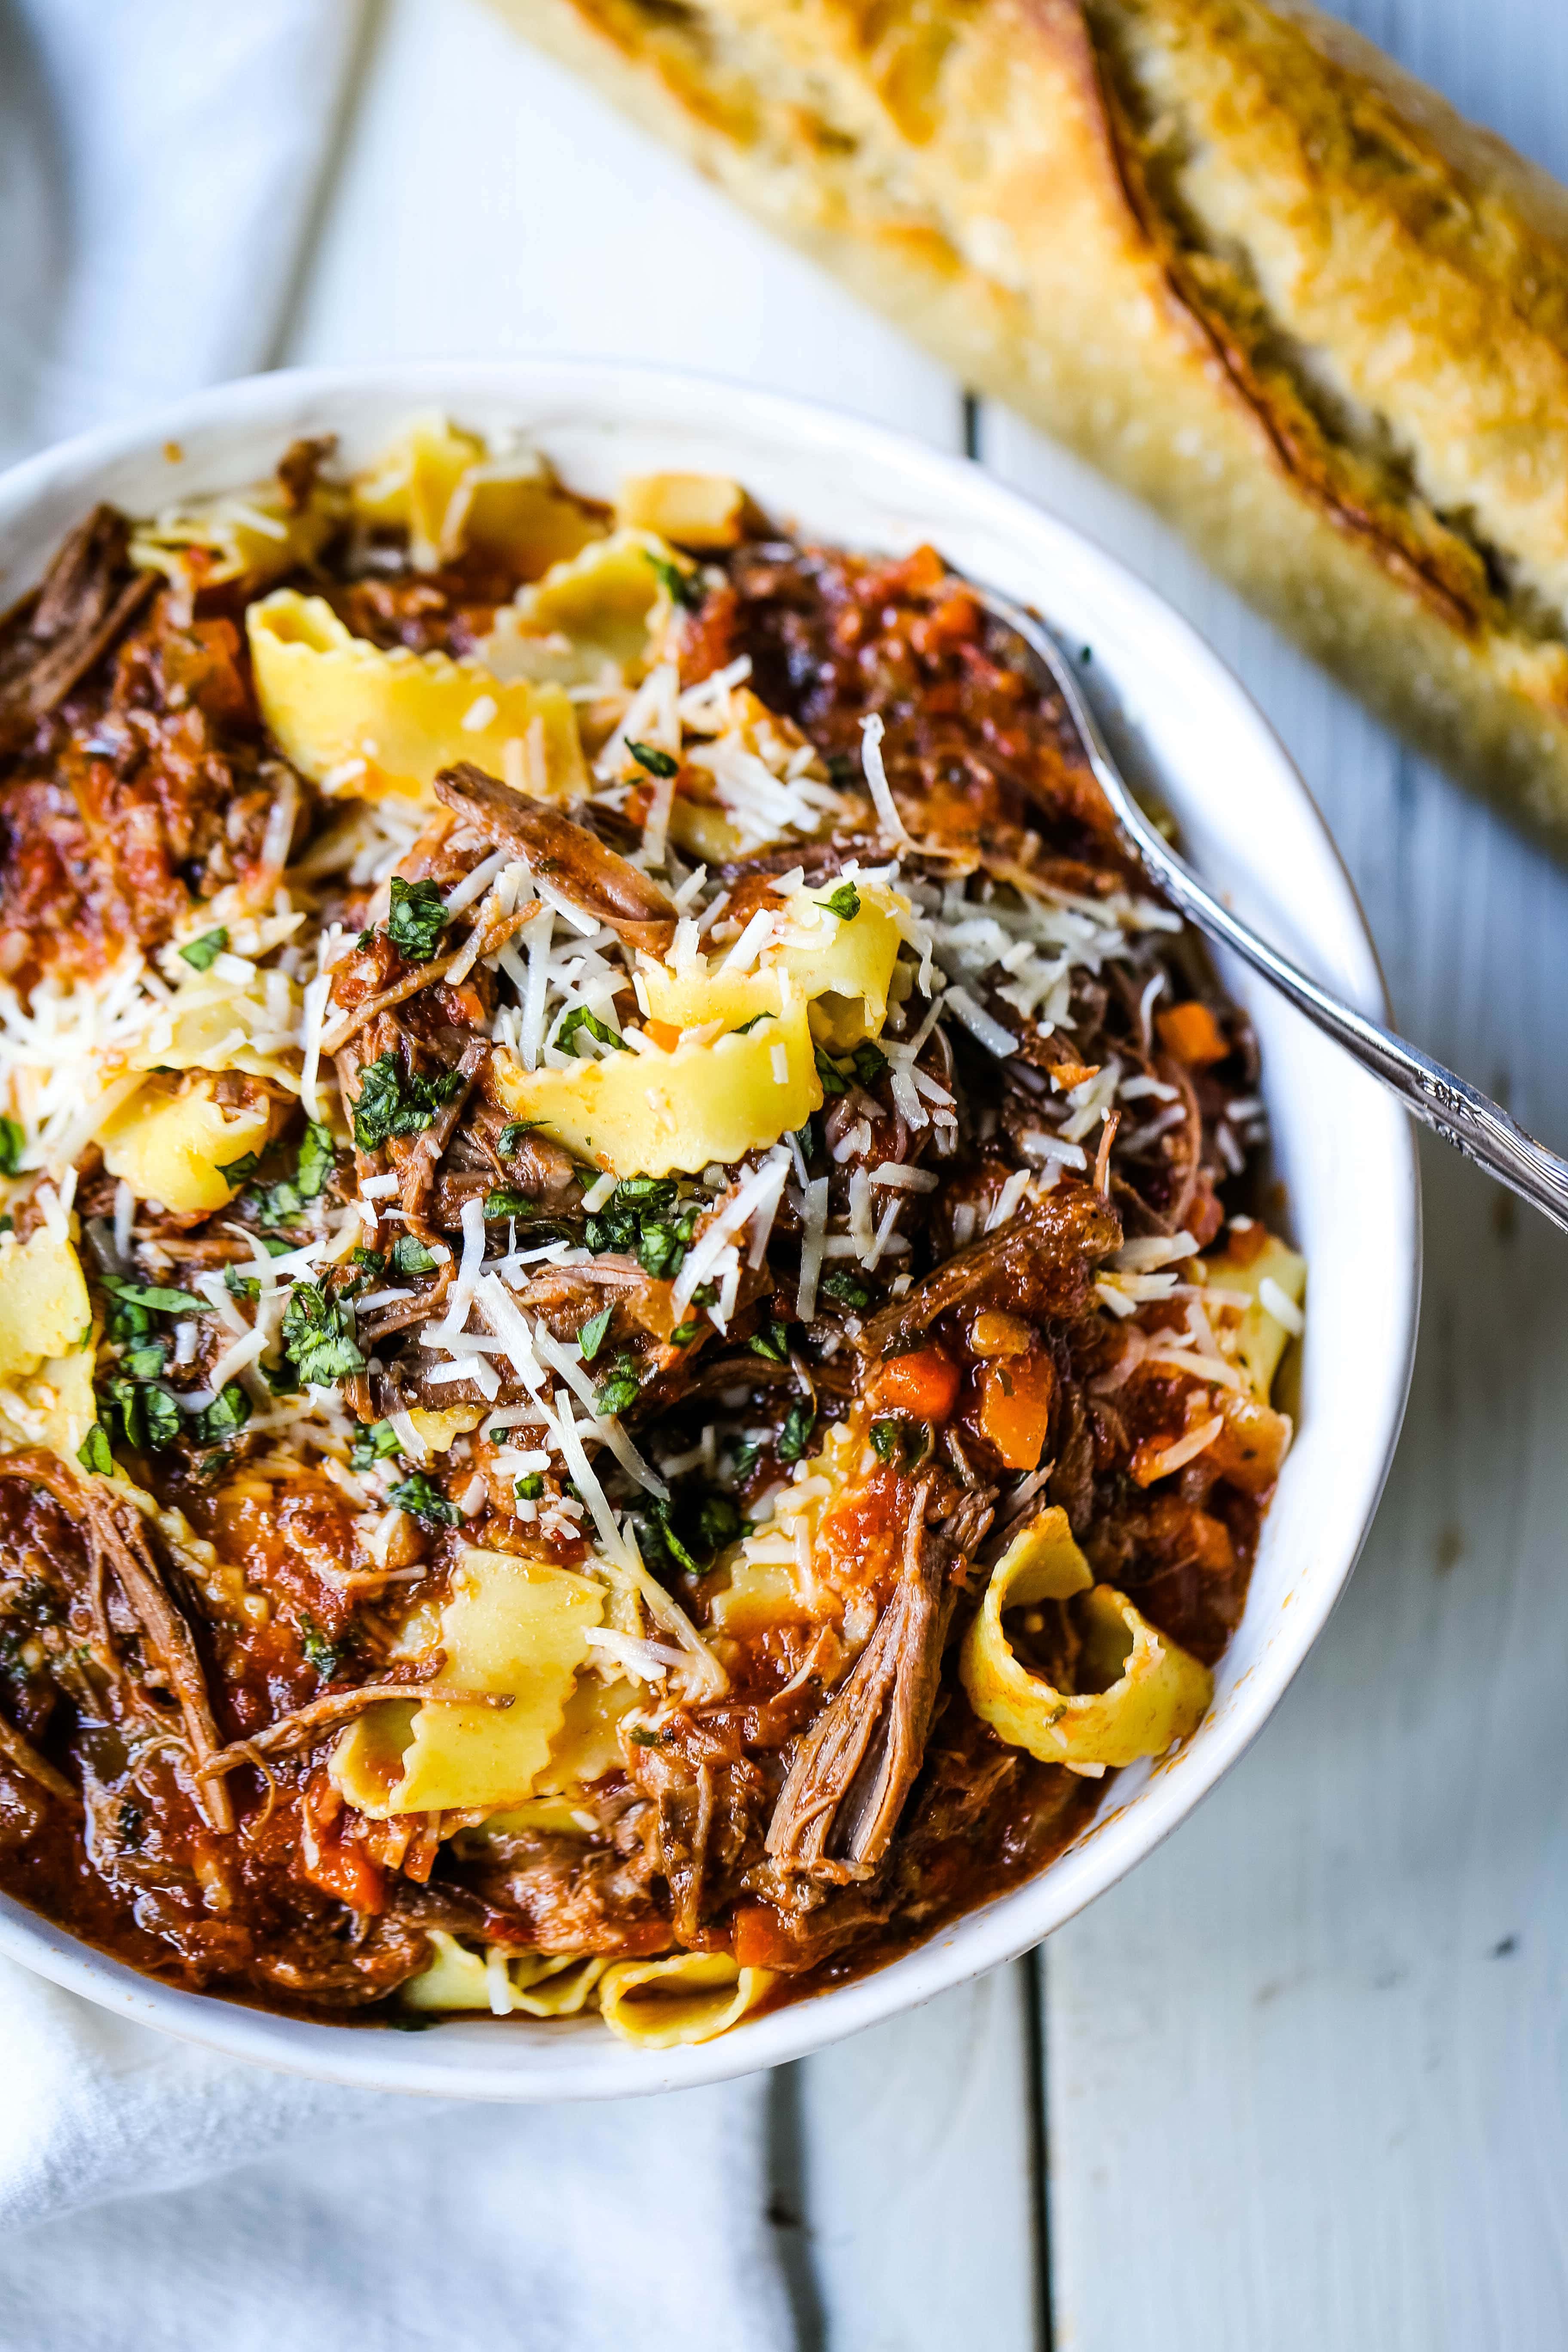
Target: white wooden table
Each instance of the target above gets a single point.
(1300, 2082)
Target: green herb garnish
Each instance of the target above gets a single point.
(795, 1435)
(316, 1338)
(319, 1652)
(12, 1141)
(512, 1135)
(416, 918)
(833, 1081)
(685, 589)
(203, 953)
(424, 1501)
(657, 763)
(564, 1039)
(843, 1286)
(394, 1101)
(154, 1297)
(591, 1338)
(528, 1488)
(93, 1452)
(505, 1201)
(409, 1255)
(373, 1442)
(844, 902)
(771, 1342)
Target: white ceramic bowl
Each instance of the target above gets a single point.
(1343, 1148)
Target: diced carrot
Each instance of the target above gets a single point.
(924, 1384)
(760, 1941)
(665, 1035)
(1192, 1033)
(344, 1868)
(1015, 1400)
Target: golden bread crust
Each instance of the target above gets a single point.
(1224, 249)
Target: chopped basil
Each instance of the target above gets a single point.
(528, 1488)
(684, 588)
(416, 918)
(684, 1333)
(316, 1338)
(145, 1363)
(423, 1500)
(869, 1061)
(512, 1135)
(564, 1039)
(505, 1201)
(373, 1442)
(844, 902)
(203, 953)
(833, 1081)
(771, 1342)
(843, 1285)
(657, 763)
(795, 1435)
(12, 1141)
(319, 1652)
(153, 1296)
(591, 1338)
(394, 1101)
(409, 1255)
(93, 1452)
(239, 1171)
(621, 1388)
(225, 1417)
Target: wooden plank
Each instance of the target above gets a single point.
(487, 204)
(1302, 2065)
(914, 2146)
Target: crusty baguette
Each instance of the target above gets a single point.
(1225, 250)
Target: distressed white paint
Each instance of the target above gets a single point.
(1307, 2065)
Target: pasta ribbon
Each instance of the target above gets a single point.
(645, 1114)
(1260, 1338)
(513, 1627)
(46, 1356)
(704, 510)
(255, 536)
(689, 1997)
(843, 966)
(540, 1984)
(453, 497)
(592, 619)
(355, 717)
(172, 1146)
(1154, 1692)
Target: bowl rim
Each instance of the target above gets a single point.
(366, 2058)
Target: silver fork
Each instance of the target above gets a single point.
(1458, 1112)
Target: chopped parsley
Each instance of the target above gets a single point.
(844, 902)
(417, 920)
(423, 1500)
(203, 953)
(512, 1135)
(373, 1442)
(316, 1338)
(657, 763)
(565, 1037)
(888, 1440)
(394, 1101)
(12, 1141)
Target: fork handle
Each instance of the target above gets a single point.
(1475, 1125)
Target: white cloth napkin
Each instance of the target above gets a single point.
(160, 164)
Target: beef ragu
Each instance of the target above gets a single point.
(635, 1343)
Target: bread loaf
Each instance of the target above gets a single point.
(1228, 252)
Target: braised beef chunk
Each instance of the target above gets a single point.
(552, 1304)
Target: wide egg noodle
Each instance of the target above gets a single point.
(842, 966)
(255, 536)
(47, 1353)
(357, 717)
(689, 1997)
(454, 497)
(648, 1114)
(596, 620)
(513, 1627)
(1156, 1692)
(173, 1145)
(540, 1984)
(1260, 1338)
